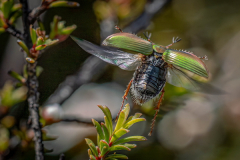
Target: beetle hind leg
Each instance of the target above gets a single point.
(156, 113)
(124, 97)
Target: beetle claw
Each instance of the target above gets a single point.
(116, 27)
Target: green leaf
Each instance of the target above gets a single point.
(137, 115)
(23, 46)
(98, 128)
(119, 133)
(39, 70)
(17, 76)
(103, 143)
(104, 150)
(119, 147)
(40, 24)
(2, 22)
(16, 7)
(89, 152)
(61, 25)
(6, 7)
(14, 17)
(130, 139)
(30, 60)
(19, 94)
(40, 40)
(121, 121)
(92, 146)
(130, 123)
(108, 119)
(129, 119)
(117, 156)
(50, 42)
(54, 27)
(64, 4)
(92, 157)
(98, 140)
(33, 35)
(108, 125)
(126, 110)
(68, 30)
(122, 117)
(130, 145)
(40, 47)
(106, 132)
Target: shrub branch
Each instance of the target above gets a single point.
(14, 32)
(32, 83)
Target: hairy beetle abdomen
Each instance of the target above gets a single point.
(148, 82)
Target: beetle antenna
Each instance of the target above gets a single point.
(116, 27)
(174, 40)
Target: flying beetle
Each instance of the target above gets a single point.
(154, 65)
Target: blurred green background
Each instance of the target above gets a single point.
(191, 126)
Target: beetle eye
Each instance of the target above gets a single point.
(159, 49)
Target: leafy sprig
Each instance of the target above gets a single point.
(108, 140)
(58, 29)
(40, 40)
(9, 12)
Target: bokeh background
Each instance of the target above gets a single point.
(190, 126)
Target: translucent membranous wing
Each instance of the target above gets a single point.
(190, 64)
(129, 42)
(188, 71)
(124, 60)
(178, 77)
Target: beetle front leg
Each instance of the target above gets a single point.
(174, 40)
(116, 27)
(204, 58)
(156, 113)
(124, 97)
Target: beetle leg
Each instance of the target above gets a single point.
(156, 113)
(116, 27)
(174, 40)
(148, 36)
(124, 97)
(204, 57)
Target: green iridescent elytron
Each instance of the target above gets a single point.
(129, 42)
(154, 65)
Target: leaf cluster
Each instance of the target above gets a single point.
(108, 139)
(58, 29)
(9, 12)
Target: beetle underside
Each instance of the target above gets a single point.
(149, 79)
